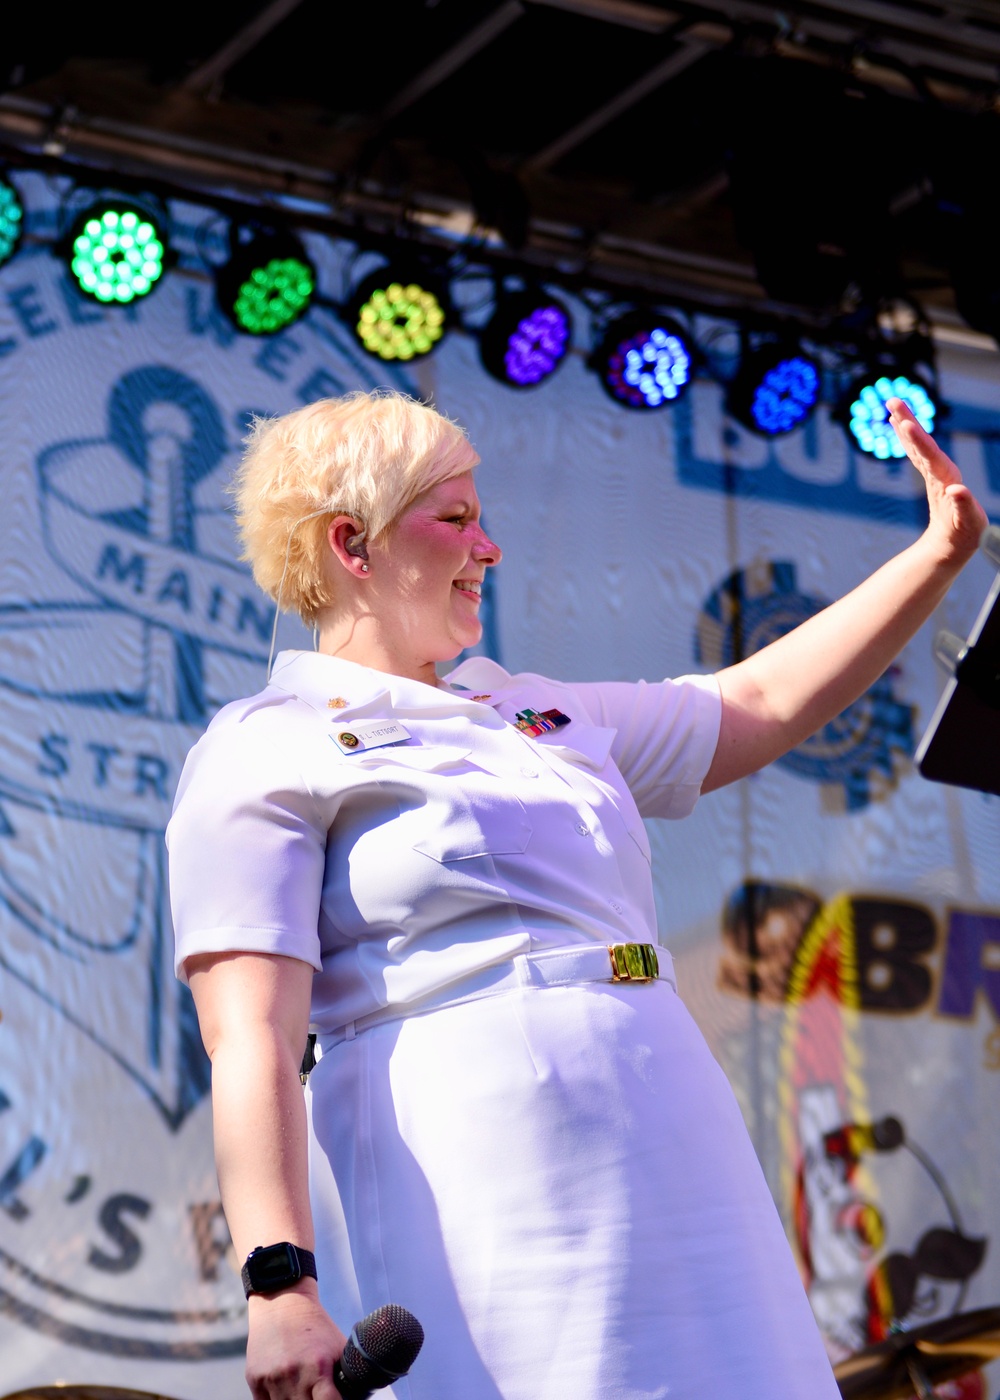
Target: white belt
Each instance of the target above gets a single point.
(550, 967)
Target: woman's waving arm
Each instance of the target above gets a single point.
(781, 694)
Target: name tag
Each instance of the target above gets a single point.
(363, 734)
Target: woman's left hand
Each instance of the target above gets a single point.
(956, 518)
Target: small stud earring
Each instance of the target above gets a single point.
(364, 568)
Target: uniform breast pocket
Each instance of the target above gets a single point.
(471, 825)
(455, 812)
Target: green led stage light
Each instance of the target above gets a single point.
(274, 295)
(267, 284)
(117, 252)
(11, 220)
(399, 316)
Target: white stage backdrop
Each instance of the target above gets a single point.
(835, 920)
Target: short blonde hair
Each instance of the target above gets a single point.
(365, 455)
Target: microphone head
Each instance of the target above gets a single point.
(391, 1337)
(887, 1134)
(382, 1346)
(850, 1140)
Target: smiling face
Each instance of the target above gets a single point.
(426, 576)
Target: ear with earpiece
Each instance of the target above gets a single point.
(347, 541)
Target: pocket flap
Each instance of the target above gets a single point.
(588, 744)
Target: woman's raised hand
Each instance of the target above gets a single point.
(778, 696)
(956, 518)
(292, 1348)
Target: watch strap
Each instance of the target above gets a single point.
(271, 1268)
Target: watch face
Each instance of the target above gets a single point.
(271, 1267)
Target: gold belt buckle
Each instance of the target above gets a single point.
(633, 962)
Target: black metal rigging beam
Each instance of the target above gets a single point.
(208, 75)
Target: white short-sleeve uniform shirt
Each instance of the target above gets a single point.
(555, 1179)
(397, 871)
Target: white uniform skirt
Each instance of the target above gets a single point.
(558, 1182)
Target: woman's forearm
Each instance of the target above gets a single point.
(776, 698)
(253, 1011)
(260, 1140)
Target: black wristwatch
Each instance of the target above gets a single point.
(270, 1268)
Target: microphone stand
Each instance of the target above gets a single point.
(961, 744)
(922, 1387)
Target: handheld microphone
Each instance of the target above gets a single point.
(851, 1139)
(381, 1348)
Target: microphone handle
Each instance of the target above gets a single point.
(362, 1377)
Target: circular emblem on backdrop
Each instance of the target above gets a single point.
(856, 756)
(134, 624)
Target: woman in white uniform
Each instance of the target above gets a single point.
(531, 1145)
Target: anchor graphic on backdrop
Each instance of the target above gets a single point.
(171, 430)
(104, 693)
(103, 745)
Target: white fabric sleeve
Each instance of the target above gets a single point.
(666, 740)
(247, 849)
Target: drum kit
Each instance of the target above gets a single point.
(83, 1392)
(912, 1362)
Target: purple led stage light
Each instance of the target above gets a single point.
(536, 345)
(526, 340)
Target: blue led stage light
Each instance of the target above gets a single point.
(775, 389)
(786, 395)
(11, 220)
(867, 419)
(644, 361)
(526, 339)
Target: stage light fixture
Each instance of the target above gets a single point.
(526, 338)
(11, 220)
(863, 411)
(807, 204)
(966, 216)
(775, 389)
(117, 251)
(399, 313)
(268, 283)
(644, 360)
